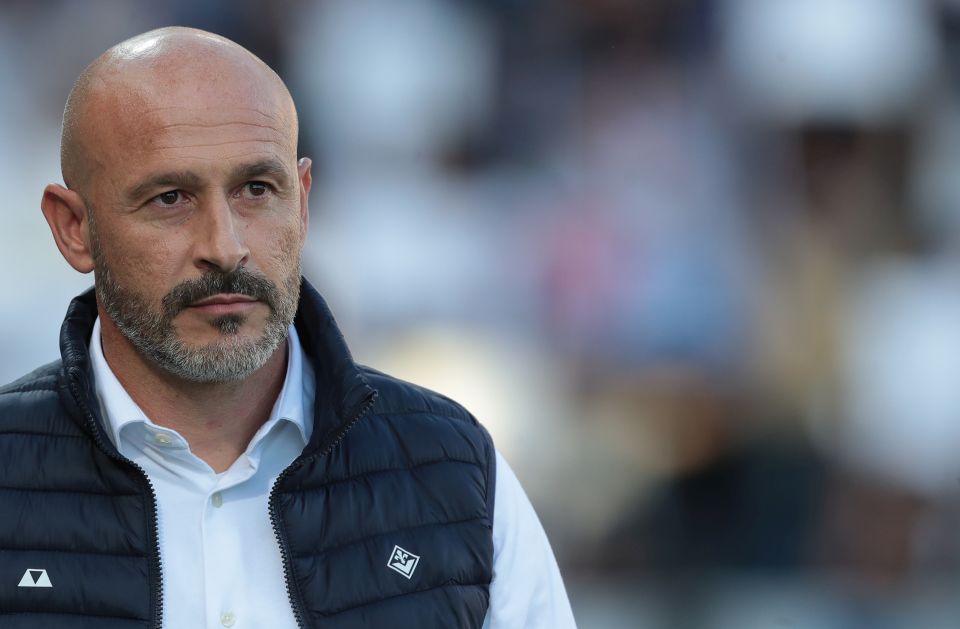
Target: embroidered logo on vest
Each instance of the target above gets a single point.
(35, 578)
(403, 561)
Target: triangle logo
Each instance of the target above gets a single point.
(35, 578)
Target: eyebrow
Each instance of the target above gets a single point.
(270, 167)
(176, 179)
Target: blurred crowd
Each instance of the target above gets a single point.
(691, 261)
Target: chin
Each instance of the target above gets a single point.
(229, 325)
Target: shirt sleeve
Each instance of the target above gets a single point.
(527, 590)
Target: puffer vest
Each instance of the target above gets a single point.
(389, 465)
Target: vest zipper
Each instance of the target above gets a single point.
(293, 592)
(155, 563)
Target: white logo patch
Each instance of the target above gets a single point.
(35, 578)
(403, 561)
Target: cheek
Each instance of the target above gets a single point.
(144, 262)
(284, 249)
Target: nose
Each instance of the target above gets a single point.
(220, 242)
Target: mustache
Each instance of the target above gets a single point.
(239, 282)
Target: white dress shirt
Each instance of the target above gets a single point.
(221, 561)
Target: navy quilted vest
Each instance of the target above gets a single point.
(394, 475)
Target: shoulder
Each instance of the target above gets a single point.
(32, 403)
(398, 396)
(431, 424)
(43, 378)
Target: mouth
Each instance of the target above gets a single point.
(218, 305)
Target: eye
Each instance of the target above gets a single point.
(169, 198)
(257, 188)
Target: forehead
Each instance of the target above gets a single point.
(182, 131)
(199, 122)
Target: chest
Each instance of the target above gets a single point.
(395, 536)
(219, 552)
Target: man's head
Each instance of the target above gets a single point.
(184, 196)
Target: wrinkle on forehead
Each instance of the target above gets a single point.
(172, 77)
(180, 116)
(212, 115)
(182, 129)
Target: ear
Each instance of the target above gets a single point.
(66, 214)
(306, 180)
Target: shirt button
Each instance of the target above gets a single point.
(162, 439)
(217, 500)
(228, 619)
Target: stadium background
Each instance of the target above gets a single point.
(693, 262)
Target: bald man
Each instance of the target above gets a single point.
(206, 452)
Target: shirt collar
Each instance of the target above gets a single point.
(294, 404)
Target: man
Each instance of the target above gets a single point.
(206, 453)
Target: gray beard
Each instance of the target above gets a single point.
(227, 359)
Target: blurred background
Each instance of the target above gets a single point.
(693, 262)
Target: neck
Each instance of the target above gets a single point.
(218, 420)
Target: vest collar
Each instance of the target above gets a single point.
(342, 391)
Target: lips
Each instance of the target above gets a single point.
(223, 300)
(222, 305)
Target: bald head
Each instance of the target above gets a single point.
(157, 69)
